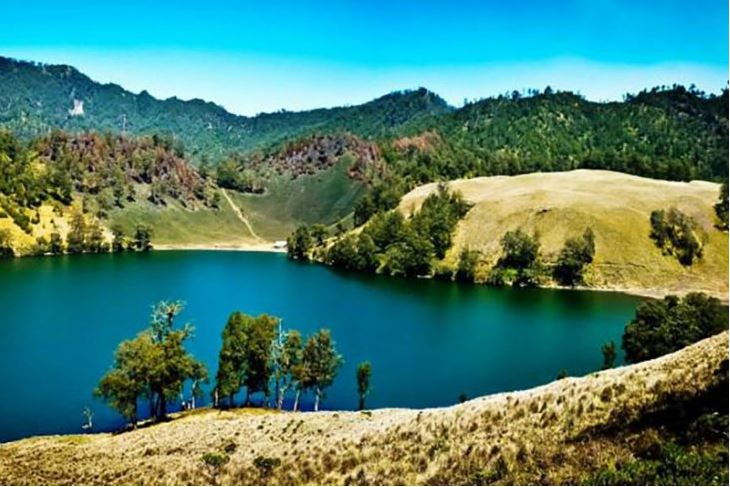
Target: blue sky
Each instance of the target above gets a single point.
(264, 56)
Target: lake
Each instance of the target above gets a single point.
(429, 342)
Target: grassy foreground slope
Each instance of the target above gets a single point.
(563, 432)
(616, 206)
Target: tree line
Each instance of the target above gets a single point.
(257, 356)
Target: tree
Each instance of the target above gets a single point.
(258, 355)
(128, 380)
(321, 362)
(119, 242)
(96, 242)
(573, 257)
(6, 247)
(519, 250)
(410, 257)
(519, 263)
(290, 360)
(466, 269)
(676, 233)
(721, 207)
(318, 234)
(363, 373)
(154, 365)
(55, 245)
(664, 326)
(142, 238)
(367, 254)
(76, 238)
(232, 363)
(343, 253)
(608, 350)
(299, 244)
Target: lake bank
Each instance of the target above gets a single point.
(448, 445)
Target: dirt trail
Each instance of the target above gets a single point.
(240, 216)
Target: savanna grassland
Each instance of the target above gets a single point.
(617, 207)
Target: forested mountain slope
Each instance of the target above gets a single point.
(35, 98)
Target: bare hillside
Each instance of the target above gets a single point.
(616, 206)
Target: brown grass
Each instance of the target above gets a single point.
(542, 435)
(616, 206)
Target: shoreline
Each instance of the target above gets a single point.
(262, 247)
(654, 293)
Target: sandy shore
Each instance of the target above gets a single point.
(242, 247)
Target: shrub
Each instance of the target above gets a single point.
(676, 233)
(661, 327)
(573, 257)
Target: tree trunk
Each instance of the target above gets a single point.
(296, 400)
(361, 406)
(280, 398)
(317, 392)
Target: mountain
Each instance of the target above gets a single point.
(35, 98)
(654, 423)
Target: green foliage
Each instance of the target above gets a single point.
(608, 350)
(245, 356)
(676, 233)
(397, 247)
(142, 241)
(6, 241)
(466, 269)
(299, 244)
(410, 256)
(321, 363)
(344, 253)
(673, 464)
(154, 365)
(363, 373)
(721, 207)
(76, 238)
(258, 355)
(438, 216)
(232, 364)
(34, 98)
(519, 264)
(668, 133)
(573, 257)
(664, 326)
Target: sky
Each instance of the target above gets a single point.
(262, 56)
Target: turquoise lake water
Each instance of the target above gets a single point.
(62, 317)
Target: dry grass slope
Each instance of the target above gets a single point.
(551, 434)
(616, 206)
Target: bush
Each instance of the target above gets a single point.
(519, 264)
(676, 233)
(466, 270)
(573, 257)
(661, 327)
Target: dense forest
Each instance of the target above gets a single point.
(35, 98)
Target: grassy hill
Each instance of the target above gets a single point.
(616, 206)
(631, 424)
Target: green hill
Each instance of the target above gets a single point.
(36, 98)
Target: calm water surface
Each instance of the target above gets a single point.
(61, 319)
